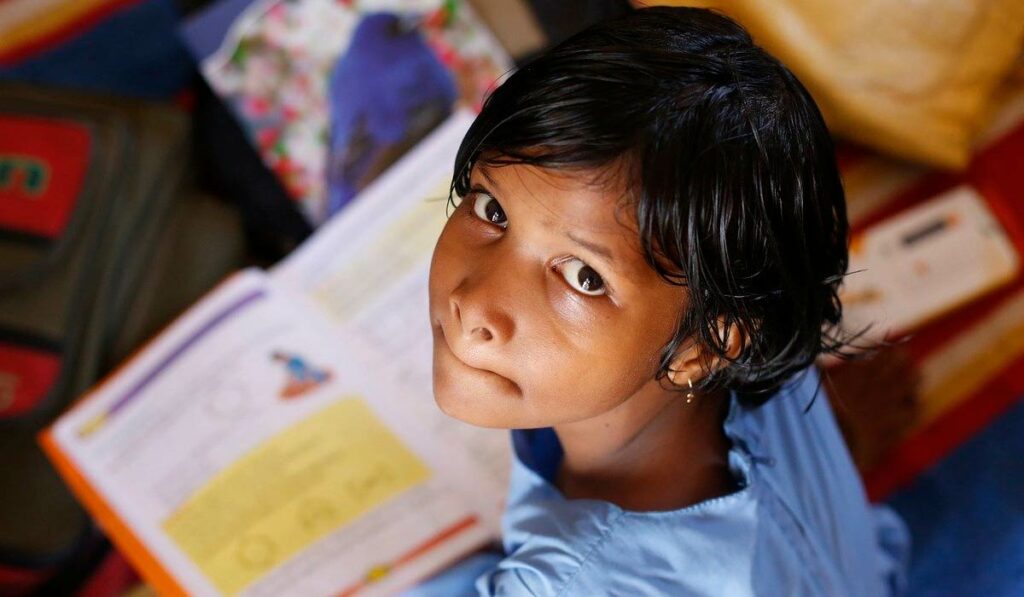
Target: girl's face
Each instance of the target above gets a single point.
(543, 308)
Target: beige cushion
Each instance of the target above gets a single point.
(911, 78)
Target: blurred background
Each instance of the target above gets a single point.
(148, 148)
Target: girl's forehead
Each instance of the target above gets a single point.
(569, 208)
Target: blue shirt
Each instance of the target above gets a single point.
(800, 524)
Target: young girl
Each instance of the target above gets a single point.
(639, 275)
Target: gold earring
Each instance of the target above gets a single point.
(689, 395)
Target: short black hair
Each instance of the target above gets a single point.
(737, 194)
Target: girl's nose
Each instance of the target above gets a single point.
(481, 317)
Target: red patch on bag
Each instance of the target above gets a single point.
(26, 376)
(43, 163)
(21, 581)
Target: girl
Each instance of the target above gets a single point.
(640, 272)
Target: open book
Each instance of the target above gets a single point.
(281, 436)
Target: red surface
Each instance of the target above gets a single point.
(26, 375)
(849, 154)
(954, 427)
(62, 149)
(15, 582)
(115, 576)
(997, 172)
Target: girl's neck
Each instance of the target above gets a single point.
(653, 452)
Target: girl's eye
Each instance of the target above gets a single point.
(488, 209)
(582, 277)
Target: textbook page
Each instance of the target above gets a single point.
(250, 450)
(368, 267)
(924, 262)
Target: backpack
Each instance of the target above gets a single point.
(102, 241)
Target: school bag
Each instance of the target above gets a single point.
(102, 241)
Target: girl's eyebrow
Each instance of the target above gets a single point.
(599, 250)
(484, 171)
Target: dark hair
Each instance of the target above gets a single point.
(736, 189)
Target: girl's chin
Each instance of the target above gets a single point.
(481, 409)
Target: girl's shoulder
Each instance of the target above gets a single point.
(800, 520)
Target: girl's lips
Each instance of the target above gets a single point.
(441, 341)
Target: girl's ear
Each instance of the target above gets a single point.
(693, 361)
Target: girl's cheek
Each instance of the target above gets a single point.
(582, 317)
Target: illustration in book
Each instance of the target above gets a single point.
(302, 376)
(333, 92)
